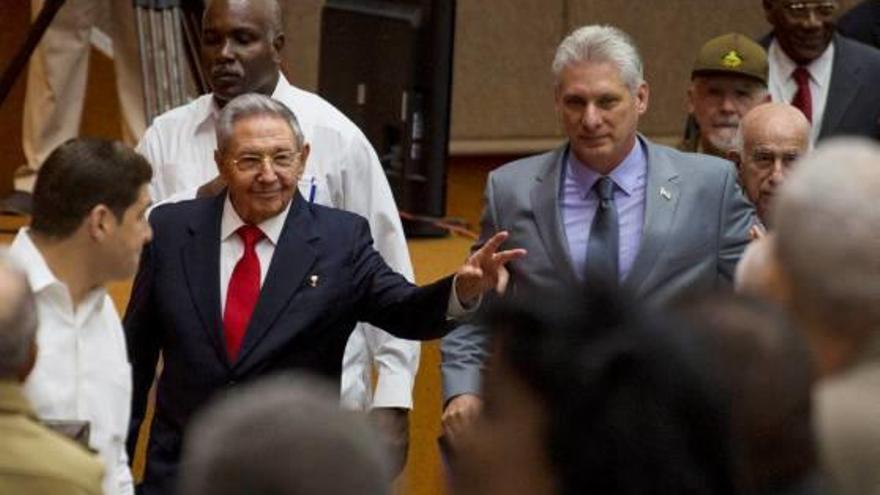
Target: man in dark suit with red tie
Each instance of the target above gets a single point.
(831, 78)
(258, 280)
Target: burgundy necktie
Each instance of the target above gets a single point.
(803, 100)
(243, 291)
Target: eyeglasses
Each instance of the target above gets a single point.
(802, 10)
(284, 161)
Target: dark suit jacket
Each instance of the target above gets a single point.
(175, 309)
(696, 228)
(853, 106)
(862, 23)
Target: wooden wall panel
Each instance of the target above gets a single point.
(502, 88)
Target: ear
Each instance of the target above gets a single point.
(28, 365)
(218, 160)
(277, 45)
(557, 99)
(768, 12)
(303, 157)
(690, 98)
(736, 158)
(99, 222)
(642, 94)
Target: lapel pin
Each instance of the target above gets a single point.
(665, 194)
(313, 280)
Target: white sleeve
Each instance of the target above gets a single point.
(124, 481)
(367, 193)
(151, 147)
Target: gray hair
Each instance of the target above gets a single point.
(252, 105)
(828, 236)
(601, 44)
(284, 435)
(18, 318)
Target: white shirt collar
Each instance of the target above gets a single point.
(40, 276)
(271, 227)
(783, 65)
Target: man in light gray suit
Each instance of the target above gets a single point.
(608, 206)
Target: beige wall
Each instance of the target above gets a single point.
(502, 90)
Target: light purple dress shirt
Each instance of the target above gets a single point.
(578, 203)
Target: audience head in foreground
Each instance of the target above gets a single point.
(728, 79)
(18, 323)
(33, 459)
(828, 240)
(770, 139)
(765, 367)
(560, 411)
(284, 435)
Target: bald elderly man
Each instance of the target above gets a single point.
(770, 138)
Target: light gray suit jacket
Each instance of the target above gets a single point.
(696, 228)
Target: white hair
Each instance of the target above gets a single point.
(828, 234)
(601, 44)
(251, 105)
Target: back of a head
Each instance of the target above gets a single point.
(81, 174)
(628, 408)
(766, 367)
(828, 238)
(18, 321)
(284, 435)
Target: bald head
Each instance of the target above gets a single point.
(771, 137)
(18, 322)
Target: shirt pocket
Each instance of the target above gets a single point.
(314, 189)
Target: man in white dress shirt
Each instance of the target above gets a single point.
(88, 228)
(241, 43)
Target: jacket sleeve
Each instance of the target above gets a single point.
(736, 216)
(464, 350)
(143, 343)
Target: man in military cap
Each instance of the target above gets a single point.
(729, 78)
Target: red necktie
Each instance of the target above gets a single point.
(803, 100)
(243, 291)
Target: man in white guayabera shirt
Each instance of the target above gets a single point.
(88, 227)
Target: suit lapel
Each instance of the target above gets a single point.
(201, 265)
(661, 202)
(294, 256)
(843, 87)
(545, 205)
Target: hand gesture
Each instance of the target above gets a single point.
(485, 270)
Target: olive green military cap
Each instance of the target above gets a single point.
(732, 53)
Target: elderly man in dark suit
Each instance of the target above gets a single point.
(257, 280)
(831, 78)
(608, 205)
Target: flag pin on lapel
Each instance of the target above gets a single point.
(313, 280)
(665, 194)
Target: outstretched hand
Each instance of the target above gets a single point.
(484, 270)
